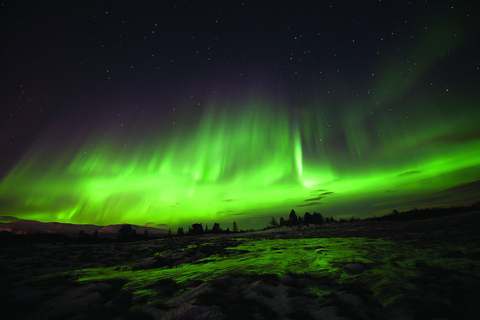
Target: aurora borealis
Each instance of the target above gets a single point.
(174, 114)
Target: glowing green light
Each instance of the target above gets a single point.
(245, 164)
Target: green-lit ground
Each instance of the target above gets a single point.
(389, 265)
(404, 270)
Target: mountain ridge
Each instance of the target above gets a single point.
(19, 227)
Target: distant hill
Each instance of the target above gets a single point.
(17, 226)
(6, 219)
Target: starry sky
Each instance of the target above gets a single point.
(167, 113)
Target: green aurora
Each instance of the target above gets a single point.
(249, 162)
(407, 142)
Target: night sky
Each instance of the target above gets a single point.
(175, 112)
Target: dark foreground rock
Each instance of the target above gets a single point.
(43, 281)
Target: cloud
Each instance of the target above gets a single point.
(407, 173)
(319, 196)
(154, 225)
(453, 138)
(458, 195)
(462, 188)
(228, 200)
(309, 204)
(313, 199)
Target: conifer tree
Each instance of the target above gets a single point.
(292, 218)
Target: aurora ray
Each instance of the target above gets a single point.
(176, 114)
(241, 163)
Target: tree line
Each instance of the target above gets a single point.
(198, 229)
(127, 233)
(316, 218)
(293, 220)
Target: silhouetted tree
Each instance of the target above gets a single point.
(197, 228)
(317, 218)
(216, 228)
(180, 232)
(126, 232)
(95, 234)
(235, 227)
(282, 223)
(273, 223)
(307, 218)
(145, 233)
(292, 218)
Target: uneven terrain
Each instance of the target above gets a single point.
(425, 269)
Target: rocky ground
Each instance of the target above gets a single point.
(357, 270)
